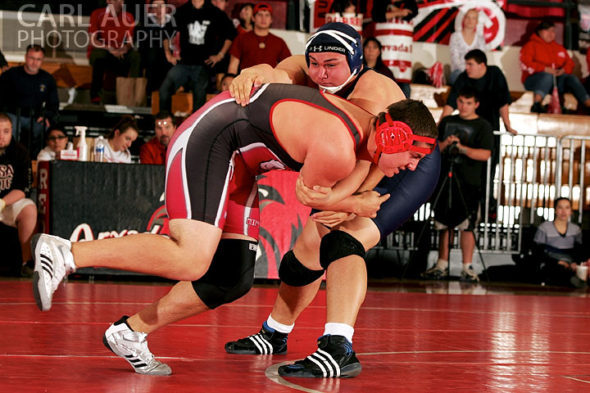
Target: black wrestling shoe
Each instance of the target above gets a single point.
(266, 342)
(333, 359)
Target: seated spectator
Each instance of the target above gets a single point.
(466, 141)
(463, 41)
(200, 50)
(154, 151)
(16, 210)
(560, 243)
(343, 7)
(372, 57)
(245, 22)
(119, 141)
(28, 95)
(111, 45)
(221, 4)
(259, 46)
(542, 59)
(150, 40)
(226, 81)
(56, 141)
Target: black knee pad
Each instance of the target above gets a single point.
(230, 275)
(338, 244)
(292, 272)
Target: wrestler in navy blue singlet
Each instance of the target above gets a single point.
(408, 190)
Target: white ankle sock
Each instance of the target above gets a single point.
(442, 264)
(339, 329)
(467, 266)
(279, 327)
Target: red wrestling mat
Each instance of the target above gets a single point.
(406, 342)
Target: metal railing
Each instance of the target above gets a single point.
(533, 170)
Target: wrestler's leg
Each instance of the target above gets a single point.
(346, 282)
(346, 278)
(182, 301)
(292, 300)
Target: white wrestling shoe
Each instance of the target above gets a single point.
(132, 346)
(53, 261)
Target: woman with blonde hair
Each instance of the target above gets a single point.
(464, 40)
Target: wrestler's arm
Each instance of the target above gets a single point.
(327, 164)
(329, 198)
(292, 70)
(375, 92)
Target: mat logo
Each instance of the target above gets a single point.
(84, 232)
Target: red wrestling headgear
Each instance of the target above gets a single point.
(396, 137)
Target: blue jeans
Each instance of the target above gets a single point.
(541, 83)
(181, 75)
(21, 129)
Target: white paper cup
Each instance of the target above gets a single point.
(582, 272)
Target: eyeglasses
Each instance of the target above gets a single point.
(55, 138)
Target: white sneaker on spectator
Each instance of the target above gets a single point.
(439, 271)
(53, 261)
(468, 274)
(132, 346)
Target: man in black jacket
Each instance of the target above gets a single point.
(28, 95)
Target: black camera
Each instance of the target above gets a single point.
(453, 150)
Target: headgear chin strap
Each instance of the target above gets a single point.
(396, 137)
(335, 89)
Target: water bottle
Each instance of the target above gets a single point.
(99, 145)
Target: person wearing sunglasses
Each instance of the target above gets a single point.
(56, 141)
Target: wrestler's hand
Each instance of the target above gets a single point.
(331, 219)
(368, 203)
(241, 87)
(311, 196)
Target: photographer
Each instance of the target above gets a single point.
(466, 141)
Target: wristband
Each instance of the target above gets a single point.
(2, 204)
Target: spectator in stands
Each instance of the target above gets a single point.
(203, 29)
(119, 141)
(494, 98)
(15, 181)
(150, 40)
(541, 59)
(259, 46)
(372, 57)
(245, 21)
(154, 151)
(492, 89)
(463, 41)
(56, 141)
(560, 243)
(28, 95)
(221, 4)
(3, 63)
(466, 141)
(226, 81)
(343, 7)
(396, 11)
(111, 45)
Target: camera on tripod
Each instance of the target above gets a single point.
(453, 149)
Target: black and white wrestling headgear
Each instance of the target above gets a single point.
(340, 38)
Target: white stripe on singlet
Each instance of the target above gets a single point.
(228, 177)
